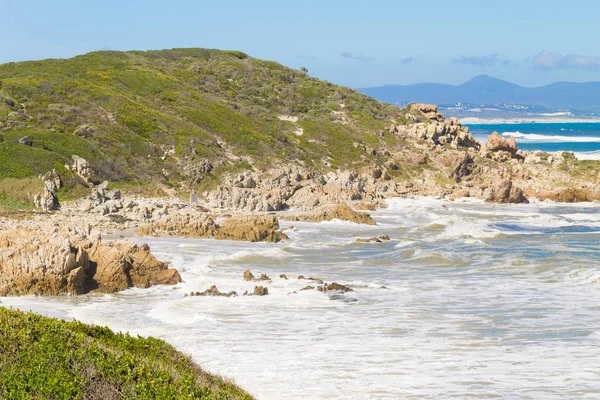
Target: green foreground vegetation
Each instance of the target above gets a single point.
(46, 358)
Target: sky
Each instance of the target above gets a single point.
(353, 43)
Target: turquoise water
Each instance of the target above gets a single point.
(582, 138)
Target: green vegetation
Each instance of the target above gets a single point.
(45, 358)
(154, 114)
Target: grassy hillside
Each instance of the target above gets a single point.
(158, 115)
(45, 358)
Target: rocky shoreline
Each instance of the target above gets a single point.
(61, 251)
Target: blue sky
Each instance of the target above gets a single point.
(355, 43)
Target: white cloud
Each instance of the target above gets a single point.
(549, 60)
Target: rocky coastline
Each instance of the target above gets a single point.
(61, 250)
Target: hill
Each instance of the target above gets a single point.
(483, 89)
(45, 358)
(181, 115)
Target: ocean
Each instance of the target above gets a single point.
(467, 300)
(581, 138)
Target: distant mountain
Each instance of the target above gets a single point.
(486, 90)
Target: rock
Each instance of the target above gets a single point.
(263, 277)
(47, 200)
(366, 206)
(254, 228)
(504, 192)
(53, 260)
(430, 111)
(341, 212)
(283, 276)
(85, 131)
(25, 141)
(307, 288)
(300, 277)
(214, 292)
(180, 224)
(331, 287)
(248, 276)
(81, 167)
(260, 291)
(498, 143)
(384, 237)
(371, 240)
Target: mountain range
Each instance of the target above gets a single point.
(486, 90)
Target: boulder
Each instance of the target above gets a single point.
(504, 192)
(81, 167)
(341, 212)
(253, 228)
(499, 143)
(85, 131)
(430, 111)
(260, 291)
(334, 287)
(53, 260)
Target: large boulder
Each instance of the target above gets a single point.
(504, 192)
(430, 111)
(50, 260)
(254, 228)
(499, 143)
(48, 200)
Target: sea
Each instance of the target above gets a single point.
(582, 138)
(467, 300)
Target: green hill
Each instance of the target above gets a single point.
(45, 358)
(166, 115)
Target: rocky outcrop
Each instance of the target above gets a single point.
(213, 292)
(85, 131)
(180, 224)
(53, 261)
(438, 132)
(81, 167)
(504, 192)
(501, 149)
(341, 212)
(379, 239)
(261, 291)
(253, 228)
(47, 200)
(499, 143)
(429, 111)
(249, 277)
(334, 287)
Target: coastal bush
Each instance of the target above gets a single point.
(167, 98)
(46, 358)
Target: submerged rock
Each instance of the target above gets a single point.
(334, 287)
(213, 292)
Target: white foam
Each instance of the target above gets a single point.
(534, 137)
(588, 155)
(467, 309)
